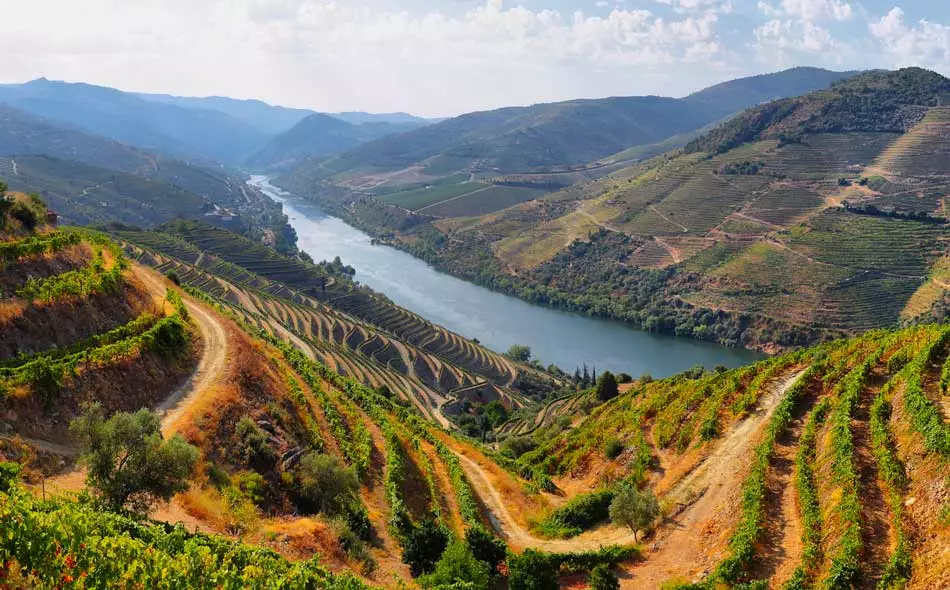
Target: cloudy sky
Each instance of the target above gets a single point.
(443, 57)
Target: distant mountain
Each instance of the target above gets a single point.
(267, 118)
(570, 133)
(322, 135)
(767, 87)
(201, 135)
(24, 134)
(361, 118)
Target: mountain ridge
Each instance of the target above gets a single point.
(515, 139)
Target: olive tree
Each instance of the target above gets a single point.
(634, 508)
(131, 467)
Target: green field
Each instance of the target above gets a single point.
(483, 201)
(430, 195)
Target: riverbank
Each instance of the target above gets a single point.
(568, 340)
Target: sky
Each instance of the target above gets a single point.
(445, 57)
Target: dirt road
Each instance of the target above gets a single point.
(211, 366)
(680, 541)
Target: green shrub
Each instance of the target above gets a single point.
(485, 546)
(602, 578)
(613, 448)
(324, 484)
(423, 547)
(579, 514)
(457, 566)
(516, 446)
(254, 448)
(532, 570)
(9, 473)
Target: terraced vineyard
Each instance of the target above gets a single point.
(77, 323)
(423, 364)
(823, 468)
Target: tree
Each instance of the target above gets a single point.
(634, 508)
(519, 353)
(384, 391)
(486, 547)
(325, 485)
(424, 547)
(496, 413)
(130, 465)
(457, 566)
(607, 387)
(602, 578)
(532, 570)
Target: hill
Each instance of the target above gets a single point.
(201, 135)
(269, 119)
(828, 466)
(562, 134)
(800, 220)
(321, 135)
(361, 118)
(78, 171)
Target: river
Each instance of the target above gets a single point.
(566, 339)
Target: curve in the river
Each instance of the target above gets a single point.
(566, 339)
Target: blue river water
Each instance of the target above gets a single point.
(565, 339)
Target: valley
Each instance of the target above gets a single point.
(498, 321)
(795, 222)
(647, 343)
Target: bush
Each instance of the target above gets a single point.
(325, 485)
(9, 473)
(254, 449)
(30, 214)
(172, 276)
(579, 514)
(130, 465)
(602, 578)
(457, 566)
(613, 448)
(624, 378)
(532, 570)
(424, 547)
(485, 547)
(515, 446)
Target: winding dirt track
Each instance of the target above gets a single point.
(706, 482)
(211, 366)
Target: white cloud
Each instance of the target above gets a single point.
(779, 37)
(926, 44)
(699, 6)
(337, 55)
(809, 10)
